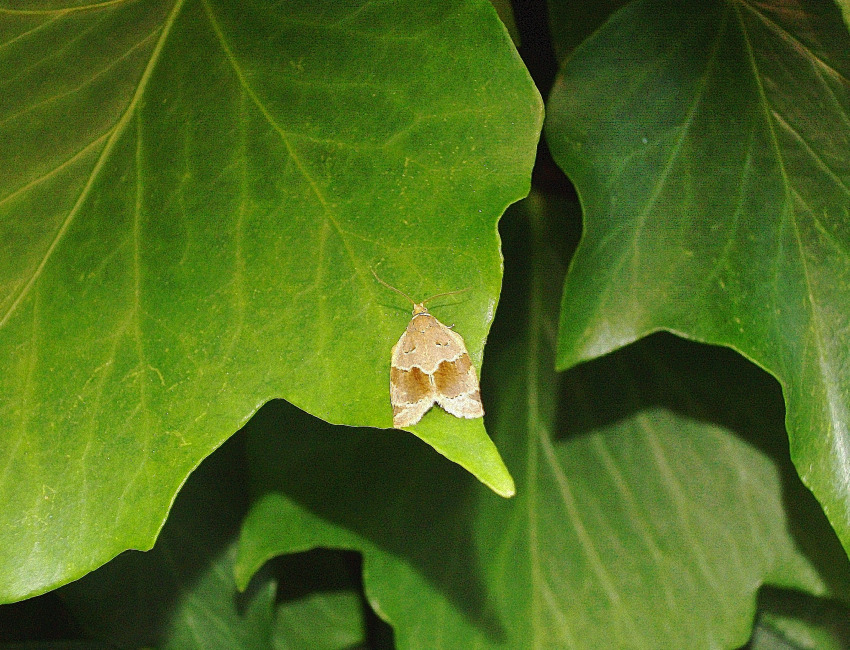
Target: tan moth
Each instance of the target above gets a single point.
(429, 365)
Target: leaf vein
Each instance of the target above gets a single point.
(286, 139)
(114, 134)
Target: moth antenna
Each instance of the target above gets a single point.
(448, 293)
(389, 286)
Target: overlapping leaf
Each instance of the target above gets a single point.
(182, 593)
(709, 144)
(192, 197)
(789, 619)
(641, 519)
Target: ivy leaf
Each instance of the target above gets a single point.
(787, 620)
(708, 142)
(194, 193)
(649, 510)
(323, 620)
(182, 593)
(570, 24)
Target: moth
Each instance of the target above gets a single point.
(429, 365)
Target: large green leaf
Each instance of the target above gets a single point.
(570, 23)
(193, 195)
(709, 145)
(645, 515)
(506, 15)
(845, 10)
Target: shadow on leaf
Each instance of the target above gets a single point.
(374, 489)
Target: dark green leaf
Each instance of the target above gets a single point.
(320, 601)
(650, 503)
(845, 10)
(182, 593)
(192, 197)
(789, 620)
(709, 145)
(208, 614)
(321, 621)
(572, 22)
(57, 645)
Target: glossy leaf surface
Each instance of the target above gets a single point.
(193, 195)
(649, 510)
(708, 143)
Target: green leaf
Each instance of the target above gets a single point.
(57, 645)
(182, 593)
(571, 23)
(844, 5)
(650, 502)
(209, 616)
(708, 143)
(787, 621)
(506, 15)
(322, 621)
(193, 195)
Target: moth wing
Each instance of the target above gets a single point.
(395, 355)
(406, 415)
(457, 388)
(430, 364)
(410, 351)
(412, 391)
(446, 345)
(425, 344)
(459, 345)
(463, 406)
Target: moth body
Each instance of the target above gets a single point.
(430, 365)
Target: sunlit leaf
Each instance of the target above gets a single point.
(193, 194)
